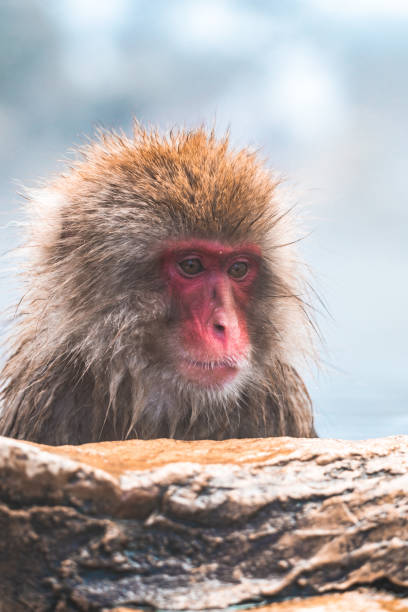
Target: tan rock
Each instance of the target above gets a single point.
(363, 600)
(196, 525)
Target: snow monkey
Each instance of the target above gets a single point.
(163, 298)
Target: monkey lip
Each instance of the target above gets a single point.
(210, 372)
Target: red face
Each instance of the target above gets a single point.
(210, 286)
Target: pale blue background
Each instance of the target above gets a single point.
(320, 85)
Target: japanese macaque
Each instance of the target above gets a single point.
(163, 299)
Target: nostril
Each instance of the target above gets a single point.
(220, 329)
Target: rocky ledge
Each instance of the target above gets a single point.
(204, 525)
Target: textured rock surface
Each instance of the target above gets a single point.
(183, 525)
(363, 600)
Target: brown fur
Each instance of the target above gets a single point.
(92, 354)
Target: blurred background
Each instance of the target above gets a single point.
(320, 85)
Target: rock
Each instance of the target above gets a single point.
(362, 600)
(201, 525)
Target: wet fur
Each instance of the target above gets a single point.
(92, 354)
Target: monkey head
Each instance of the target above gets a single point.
(163, 292)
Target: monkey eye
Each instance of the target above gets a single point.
(191, 266)
(238, 269)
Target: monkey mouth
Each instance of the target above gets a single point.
(212, 372)
(211, 365)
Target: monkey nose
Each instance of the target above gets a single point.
(221, 323)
